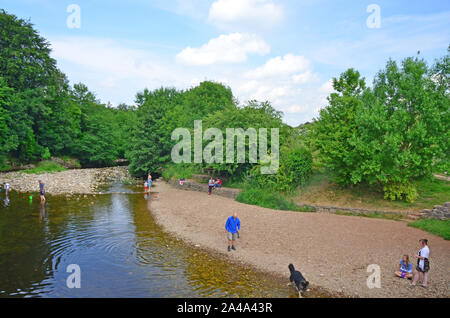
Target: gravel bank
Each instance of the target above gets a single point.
(77, 181)
(332, 251)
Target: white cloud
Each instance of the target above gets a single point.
(229, 48)
(262, 13)
(289, 83)
(107, 56)
(305, 77)
(327, 87)
(116, 73)
(277, 66)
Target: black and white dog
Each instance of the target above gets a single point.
(298, 279)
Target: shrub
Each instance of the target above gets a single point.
(400, 191)
(178, 171)
(265, 198)
(295, 169)
(46, 154)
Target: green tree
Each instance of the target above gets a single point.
(336, 126)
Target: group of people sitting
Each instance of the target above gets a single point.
(405, 269)
(214, 184)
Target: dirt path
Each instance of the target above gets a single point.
(332, 251)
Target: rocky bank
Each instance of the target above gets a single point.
(76, 181)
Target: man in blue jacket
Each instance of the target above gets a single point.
(232, 226)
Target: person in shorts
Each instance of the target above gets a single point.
(232, 227)
(405, 268)
(211, 185)
(423, 264)
(146, 186)
(41, 191)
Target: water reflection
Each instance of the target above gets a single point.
(121, 251)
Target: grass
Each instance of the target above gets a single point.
(321, 190)
(437, 227)
(5, 167)
(234, 184)
(376, 215)
(266, 199)
(307, 208)
(46, 167)
(178, 171)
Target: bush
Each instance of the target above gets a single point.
(442, 166)
(46, 154)
(266, 198)
(178, 171)
(295, 169)
(297, 166)
(400, 191)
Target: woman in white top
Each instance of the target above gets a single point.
(423, 264)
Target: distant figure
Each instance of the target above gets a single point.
(232, 226)
(298, 280)
(211, 185)
(6, 186)
(218, 183)
(423, 264)
(150, 185)
(6, 202)
(41, 191)
(145, 186)
(182, 181)
(149, 177)
(405, 268)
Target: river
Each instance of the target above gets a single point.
(120, 250)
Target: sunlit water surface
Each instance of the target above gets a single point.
(120, 250)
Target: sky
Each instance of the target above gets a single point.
(283, 51)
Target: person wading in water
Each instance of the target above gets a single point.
(41, 191)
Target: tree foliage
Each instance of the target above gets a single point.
(390, 134)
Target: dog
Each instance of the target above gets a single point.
(298, 280)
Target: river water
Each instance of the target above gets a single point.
(119, 249)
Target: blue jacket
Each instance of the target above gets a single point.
(233, 225)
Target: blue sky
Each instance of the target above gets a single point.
(284, 51)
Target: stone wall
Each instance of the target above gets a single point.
(440, 212)
(194, 186)
(334, 210)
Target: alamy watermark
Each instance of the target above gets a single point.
(74, 19)
(74, 279)
(374, 20)
(214, 153)
(374, 279)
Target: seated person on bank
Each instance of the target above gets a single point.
(218, 183)
(405, 268)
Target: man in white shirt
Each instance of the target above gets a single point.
(423, 264)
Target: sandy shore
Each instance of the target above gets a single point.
(332, 251)
(76, 181)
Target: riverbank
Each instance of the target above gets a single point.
(76, 181)
(332, 251)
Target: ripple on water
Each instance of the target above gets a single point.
(121, 251)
